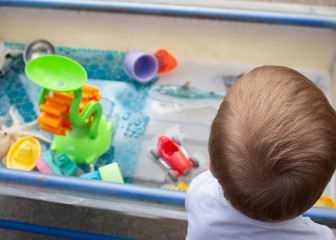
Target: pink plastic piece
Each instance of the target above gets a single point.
(42, 166)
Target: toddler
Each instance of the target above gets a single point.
(272, 151)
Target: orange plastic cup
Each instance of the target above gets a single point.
(166, 61)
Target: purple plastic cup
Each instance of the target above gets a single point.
(141, 66)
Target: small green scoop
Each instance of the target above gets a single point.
(56, 73)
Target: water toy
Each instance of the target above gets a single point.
(48, 159)
(5, 143)
(111, 173)
(10, 134)
(92, 175)
(144, 67)
(69, 109)
(183, 97)
(65, 164)
(173, 157)
(181, 186)
(325, 201)
(186, 91)
(38, 48)
(166, 61)
(23, 154)
(42, 166)
(60, 165)
(8, 59)
(141, 66)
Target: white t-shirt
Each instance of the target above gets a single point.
(211, 217)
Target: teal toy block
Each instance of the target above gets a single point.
(65, 164)
(48, 158)
(91, 175)
(111, 173)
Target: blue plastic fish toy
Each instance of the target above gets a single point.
(187, 92)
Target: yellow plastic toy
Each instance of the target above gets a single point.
(325, 201)
(23, 154)
(182, 187)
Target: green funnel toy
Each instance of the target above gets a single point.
(56, 73)
(70, 109)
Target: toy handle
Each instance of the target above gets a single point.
(92, 108)
(42, 95)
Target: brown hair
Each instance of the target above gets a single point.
(273, 144)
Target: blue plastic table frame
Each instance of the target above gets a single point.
(140, 193)
(56, 232)
(180, 10)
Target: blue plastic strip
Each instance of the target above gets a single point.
(56, 232)
(322, 214)
(88, 187)
(128, 191)
(196, 11)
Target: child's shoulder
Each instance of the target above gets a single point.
(204, 189)
(203, 182)
(209, 214)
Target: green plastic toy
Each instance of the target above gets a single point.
(56, 73)
(111, 173)
(48, 158)
(61, 78)
(67, 166)
(80, 146)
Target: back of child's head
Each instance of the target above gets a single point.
(272, 144)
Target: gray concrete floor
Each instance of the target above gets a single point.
(89, 220)
(85, 219)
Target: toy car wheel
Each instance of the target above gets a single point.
(177, 140)
(155, 154)
(195, 161)
(172, 175)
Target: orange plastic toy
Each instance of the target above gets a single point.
(166, 61)
(55, 109)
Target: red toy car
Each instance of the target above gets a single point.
(173, 158)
